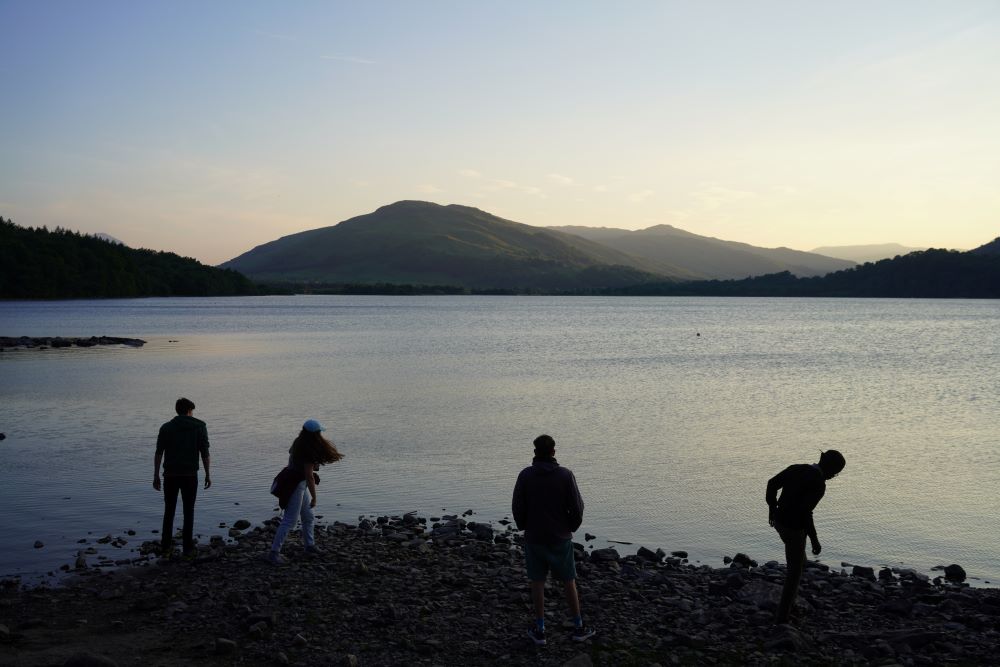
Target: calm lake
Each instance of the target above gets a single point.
(435, 401)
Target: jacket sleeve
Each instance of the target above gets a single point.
(575, 510)
(517, 505)
(773, 484)
(161, 441)
(203, 440)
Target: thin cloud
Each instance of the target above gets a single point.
(428, 189)
(641, 196)
(350, 59)
(469, 173)
(560, 179)
(714, 197)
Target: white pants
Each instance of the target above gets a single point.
(298, 506)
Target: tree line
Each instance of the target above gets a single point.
(38, 263)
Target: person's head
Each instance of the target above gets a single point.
(545, 446)
(831, 462)
(183, 406)
(311, 446)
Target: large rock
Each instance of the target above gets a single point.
(604, 555)
(863, 572)
(954, 573)
(787, 638)
(241, 524)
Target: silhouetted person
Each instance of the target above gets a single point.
(802, 486)
(178, 445)
(547, 505)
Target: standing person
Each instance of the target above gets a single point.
(309, 451)
(178, 445)
(802, 486)
(547, 505)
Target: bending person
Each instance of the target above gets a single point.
(309, 451)
(802, 487)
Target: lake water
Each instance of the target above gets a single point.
(435, 401)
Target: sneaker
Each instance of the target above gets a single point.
(536, 635)
(582, 633)
(275, 558)
(313, 550)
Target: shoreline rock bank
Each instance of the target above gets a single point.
(410, 590)
(45, 342)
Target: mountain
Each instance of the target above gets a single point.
(707, 257)
(865, 253)
(424, 243)
(991, 248)
(36, 263)
(922, 274)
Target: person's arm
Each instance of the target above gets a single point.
(811, 532)
(157, 459)
(308, 469)
(205, 461)
(771, 495)
(517, 505)
(575, 508)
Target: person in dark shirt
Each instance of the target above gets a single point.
(547, 505)
(178, 446)
(802, 487)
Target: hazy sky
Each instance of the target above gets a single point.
(207, 128)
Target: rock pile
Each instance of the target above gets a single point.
(406, 590)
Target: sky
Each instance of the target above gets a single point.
(207, 128)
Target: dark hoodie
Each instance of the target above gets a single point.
(547, 504)
(180, 441)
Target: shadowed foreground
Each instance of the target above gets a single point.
(382, 594)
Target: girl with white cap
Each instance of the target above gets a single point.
(309, 451)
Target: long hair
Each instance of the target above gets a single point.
(314, 448)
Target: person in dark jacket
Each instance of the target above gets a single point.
(179, 444)
(547, 505)
(802, 487)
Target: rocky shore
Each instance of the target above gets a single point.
(45, 342)
(410, 590)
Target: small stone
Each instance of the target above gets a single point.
(300, 641)
(608, 554)
(224, 646)
(86, 659)
(241, 524)
(39, 544)
(588, 537)
(281, 658)
(579, 660)
(679, 554)
(350, 660)
(863, 572)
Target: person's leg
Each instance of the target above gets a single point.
(538, 570)
(306, 514)
(290, 517)
(795, 557)
(538, 601)
(573, 600)
(189, 493)
(170, 489)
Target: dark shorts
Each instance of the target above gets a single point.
(557, 557)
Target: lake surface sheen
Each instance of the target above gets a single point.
(435, 401)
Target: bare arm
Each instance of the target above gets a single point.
(309, 468)
(811, 532)
(205, 461)
(157, 459)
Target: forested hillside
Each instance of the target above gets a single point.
(36, 263)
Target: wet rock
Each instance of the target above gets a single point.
(679, 554)
(885, 574)
(648, 555)
(863, 572)
(954, 573)
(3, 436)
(39, 544)
(579, 660)
(604, 555)
(742, 560)
(241, 524)
(224, 646)
(787, 638)
(86, 659)
(588, 537)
